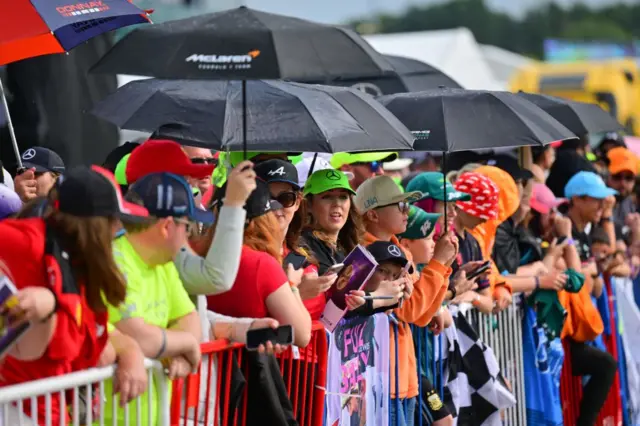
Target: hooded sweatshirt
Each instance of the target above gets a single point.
(509, 201)
(429, 288)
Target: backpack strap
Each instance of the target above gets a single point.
(57, 261)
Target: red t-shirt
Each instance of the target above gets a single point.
(259, 275)
(80, 335)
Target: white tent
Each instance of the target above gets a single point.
(454, 51)
(503, 63)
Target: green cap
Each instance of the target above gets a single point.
(420, 224)
(550, 314)
(326, 180)
(121, 168)
(431, 184)
(341, 158)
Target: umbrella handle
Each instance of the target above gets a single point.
(14, 142)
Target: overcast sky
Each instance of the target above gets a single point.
(337, 11)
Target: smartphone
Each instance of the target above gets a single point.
(335, 269)
(282, 335)
(479, 270)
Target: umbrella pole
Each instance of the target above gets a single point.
(14, 142)
(244, 118)
(444, 173)
(313, 164)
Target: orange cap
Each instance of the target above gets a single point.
(622, 160)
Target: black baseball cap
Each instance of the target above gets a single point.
(114, 157)
(277, 170)
(386, 251)
(168, 195)
(93, 192)
(43, 160)
(510, 165)
(259, 202)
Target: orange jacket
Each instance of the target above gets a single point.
(583, 322)
(429, 288)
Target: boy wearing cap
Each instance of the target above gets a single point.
(42, 167)
(588, 193)
(418, 240)
(385, 208)
(157, 311)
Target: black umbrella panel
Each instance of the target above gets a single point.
(282, 116)
(411, 76)
(449, 120)
(579, 117)
(244, 44)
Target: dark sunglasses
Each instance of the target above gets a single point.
(619, 177)
(201, 160)
(287, 199)
(374, 166)
(403, 206)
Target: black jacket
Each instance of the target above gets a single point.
(325, 255)
(506, 250)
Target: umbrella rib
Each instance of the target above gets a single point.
(304, 105)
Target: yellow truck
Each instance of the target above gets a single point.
(613, 84)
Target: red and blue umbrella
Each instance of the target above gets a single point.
(31, 28)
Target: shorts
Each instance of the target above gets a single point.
(433, 409)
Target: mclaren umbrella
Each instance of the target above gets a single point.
(579, 117)
(244, 44)
(283, 116)
(30, 28)
(449, 120)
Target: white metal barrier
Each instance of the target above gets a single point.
(81, 383)
(503, 333)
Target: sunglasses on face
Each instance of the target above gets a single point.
(402, 206)
(287, 199)
(619, 177)
(204, 160)
(187, 224)
(374, 166)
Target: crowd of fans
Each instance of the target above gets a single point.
(109, 260)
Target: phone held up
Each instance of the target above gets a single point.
(282, 335)
(335, 269)
(479, 270)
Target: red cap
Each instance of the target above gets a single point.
(158, 156)
(484, 195)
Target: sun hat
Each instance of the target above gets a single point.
(158, 156)
(420, 224)
(343, 158)
(587, 184)
(326, 180)
(88, 192)
(543, 199)
(432, 185)
(484, 195)
(381, 191)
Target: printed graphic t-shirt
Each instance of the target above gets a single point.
(154, 294)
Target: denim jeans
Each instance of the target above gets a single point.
(406, 416)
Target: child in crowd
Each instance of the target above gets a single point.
(385, 208)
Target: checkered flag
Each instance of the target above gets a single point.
(475, 391)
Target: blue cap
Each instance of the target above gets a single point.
(169, 195)
(587, 184)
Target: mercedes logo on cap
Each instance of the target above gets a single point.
(29, 154)
(333, 175)
(394, 251)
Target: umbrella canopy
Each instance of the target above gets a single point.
(450, 120)
(410, 76)
(579, 117)
(282, 116)
(244, 44)
(31, 28)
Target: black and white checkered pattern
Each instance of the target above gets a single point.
(475, 391)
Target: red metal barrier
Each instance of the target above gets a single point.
(304, 373)
(571, 387)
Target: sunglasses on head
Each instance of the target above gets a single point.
(627, 177)
(374, 166)
(287, 199)
(204, 160)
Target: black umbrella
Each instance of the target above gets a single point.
(244, 44)
(579, 117)
(410, 75)
(282, 116)
(450, 120)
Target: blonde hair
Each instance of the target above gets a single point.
(453, 175)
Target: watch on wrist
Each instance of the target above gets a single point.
(605, 219)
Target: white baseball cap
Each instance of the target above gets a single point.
(321, 164)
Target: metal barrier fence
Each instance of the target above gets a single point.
(503, 333)
(80, 387)
(206, 395)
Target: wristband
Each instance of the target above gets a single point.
(55, 308)
(163, 346)
(605, 219)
